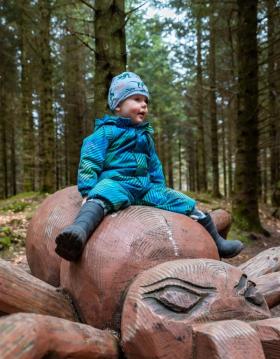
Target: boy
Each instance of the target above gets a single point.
(119, 167)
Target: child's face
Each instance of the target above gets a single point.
(134, 107)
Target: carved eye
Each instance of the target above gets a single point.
(174, 298)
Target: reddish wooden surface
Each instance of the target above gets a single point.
(269, 333)
(21, 292)
(267, 261)
(269, 286)
(230, 339)
(125, 244)
(222, 220)
(164, 302)
(33, 336)
(57, 211)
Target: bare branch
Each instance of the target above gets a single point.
(135, 9)
(88, 4)
(81, 40)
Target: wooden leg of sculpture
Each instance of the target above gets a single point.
(269, 333)
(33, 336)
(222, 220)
(21, 292)
(231, 339)
(269, 286)
(265, 262)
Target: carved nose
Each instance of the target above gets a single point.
(253, 296)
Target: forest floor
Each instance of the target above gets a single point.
(16, 212)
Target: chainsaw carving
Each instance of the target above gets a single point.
(151, 276)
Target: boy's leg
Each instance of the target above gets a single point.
(168, 199)
(71, 241)
(106, 196)
(162, 197)
(226, 248)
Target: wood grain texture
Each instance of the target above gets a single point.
(33, 336)
(222, 220)
(269, 333)
(269, 286)
(230, 339)
(265, 262)
(55, 213)
(21, 292)
(125, 244)
(164, 302)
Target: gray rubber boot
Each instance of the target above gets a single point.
(72, 240)
(226, 248)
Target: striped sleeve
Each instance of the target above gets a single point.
(92, 158)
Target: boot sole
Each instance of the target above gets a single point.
(69, 246)
(234, 253)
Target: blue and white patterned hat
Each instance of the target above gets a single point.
(124, 85)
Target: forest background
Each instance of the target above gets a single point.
(212, 68)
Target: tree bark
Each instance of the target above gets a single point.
(232, 110)
(213, 105)
(47, 160)
(272, 73)
(245, 202)
(110, 51)
(201, 155)
(28, 146)
(74, 105)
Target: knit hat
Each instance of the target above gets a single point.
(124, 85)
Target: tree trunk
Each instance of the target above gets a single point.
(46, 101)
(191, 156)
(28, 147)
(110, 51)
(74, 105)
(245, 204)
(213, 106)
(201, 156)
(4, 154)
(180, 163)
(273, 72)
(232, 111)
(170, 161)
(224, 155)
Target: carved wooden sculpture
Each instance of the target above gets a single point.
(141, 268)
(164, 302)
(124, 244)
(147, 224)
(39, 336)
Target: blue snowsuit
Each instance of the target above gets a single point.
(119, 165)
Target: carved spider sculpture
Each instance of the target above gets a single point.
(148, 285)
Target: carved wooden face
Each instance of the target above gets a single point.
(164, 301)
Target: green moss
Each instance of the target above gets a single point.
(5, 242)
(237, 233)
(21, 201)
(5, 237)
